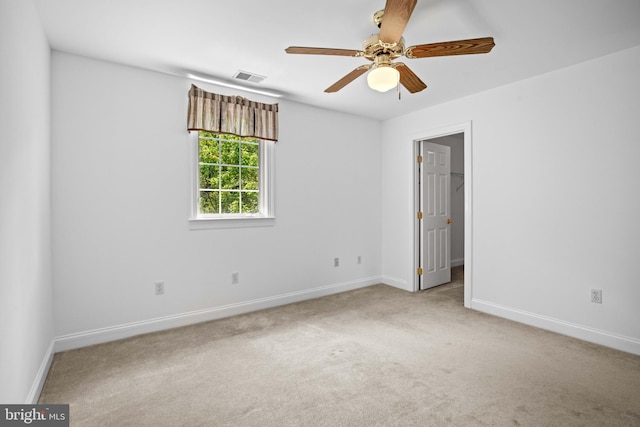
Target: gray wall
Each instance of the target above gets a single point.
(555, 198)
(121, 204)
(26, 319)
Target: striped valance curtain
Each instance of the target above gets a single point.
(233, 115)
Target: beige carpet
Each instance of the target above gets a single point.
(372, 357)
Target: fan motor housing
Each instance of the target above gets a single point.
(373, 47)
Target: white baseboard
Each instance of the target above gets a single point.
(397, 283)
(457, 262)
(112, 333)
(607, 339)
(41, 375)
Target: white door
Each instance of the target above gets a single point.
(435, 228)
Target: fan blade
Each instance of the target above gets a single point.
(409, 80)
(348, 78)
(458, 47)
(322, 51)
(395, 19)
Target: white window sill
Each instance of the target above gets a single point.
(231, 222)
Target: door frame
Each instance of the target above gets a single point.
(465, 129)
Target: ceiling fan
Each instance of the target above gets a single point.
(382, 48)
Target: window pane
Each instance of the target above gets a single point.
(230, 153)
(249, 155)
(229, 172)
(209, 176)
(204, 134)
(249, 179)
(250, 202)
(230, 178)
(209, 151)
(209, 202)
(230, 202)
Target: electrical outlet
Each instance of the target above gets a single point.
(596, 296)
(359, 259)
(235, 278)
(336, 262)
(159, 287)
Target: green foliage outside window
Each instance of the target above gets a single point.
(229, 174)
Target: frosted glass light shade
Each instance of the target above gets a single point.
(383, 79)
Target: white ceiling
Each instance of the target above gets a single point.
(218, 38)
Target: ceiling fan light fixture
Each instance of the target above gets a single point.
(383, 78)
(387, 45)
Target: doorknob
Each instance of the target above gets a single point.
(449, 221)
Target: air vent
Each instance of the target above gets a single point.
(248, 77)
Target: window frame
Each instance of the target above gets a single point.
(266, 215)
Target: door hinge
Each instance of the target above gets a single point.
(419, 271)
(419, 159)
(419, 215)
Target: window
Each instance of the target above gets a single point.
(232, 181)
